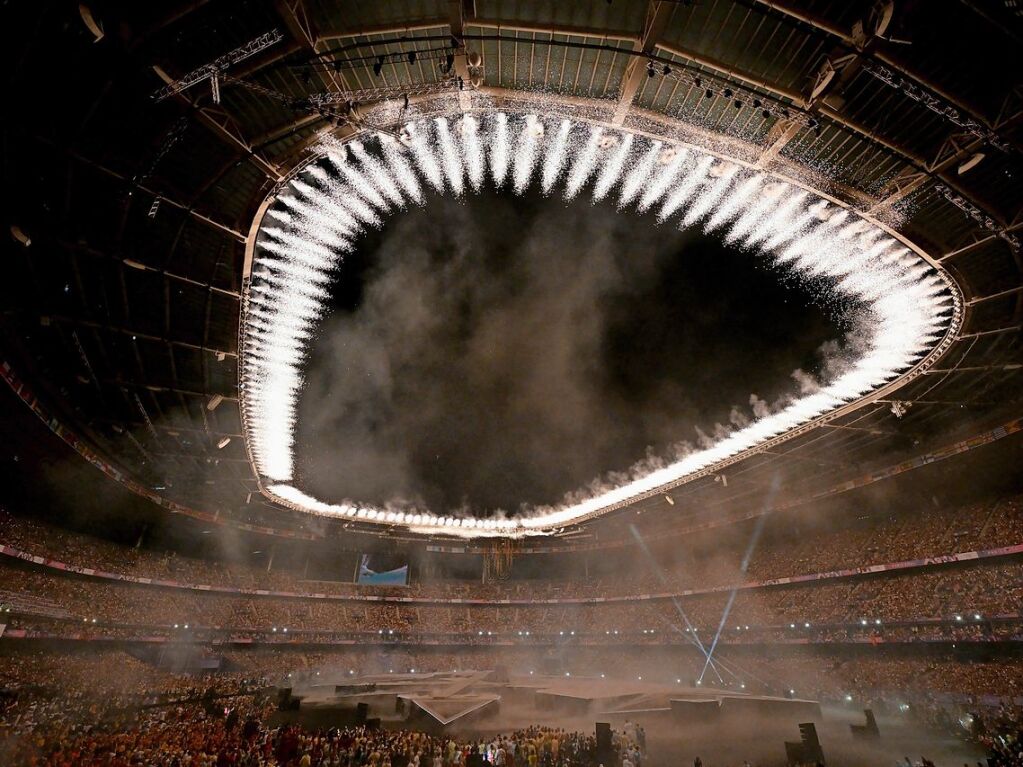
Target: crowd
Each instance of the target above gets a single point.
(190, 735)
(978, 601)
(838, 639)
(828, 673)
(108, 708)
(105, 709)
(696, 564)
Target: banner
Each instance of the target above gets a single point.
(369, 576)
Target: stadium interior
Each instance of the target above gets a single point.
(537, 383)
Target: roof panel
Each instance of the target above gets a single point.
(620, 16)
(333, 18)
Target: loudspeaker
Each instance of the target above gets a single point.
(808, 750)
(284, 699)
(868, 731)
(605, 751)
(361, 712)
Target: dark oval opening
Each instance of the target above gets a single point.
(500, 350)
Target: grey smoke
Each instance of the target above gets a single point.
(471, 373)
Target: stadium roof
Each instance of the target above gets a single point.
(122, 314)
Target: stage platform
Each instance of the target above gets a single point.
(477, 700)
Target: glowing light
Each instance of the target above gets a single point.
(310, 226)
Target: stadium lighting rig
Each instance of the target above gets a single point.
(311, 221)
(442, 55)
(215, 69)
(449, 82)
(344, 107)
(921, 95)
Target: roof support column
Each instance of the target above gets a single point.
(657, 17)
(456, 20)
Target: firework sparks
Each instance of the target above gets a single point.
(312, 224)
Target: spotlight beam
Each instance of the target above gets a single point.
(691, 633)
(750, 548)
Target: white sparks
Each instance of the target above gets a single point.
(612, 169)
(322, 211)
(657, 184)
(683, 192)
(474, 164)
(639, 175)
(555, 159)
(583, 164)
(525, 152)
(450, 156)
(499, 149)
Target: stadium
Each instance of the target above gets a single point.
(449, 383)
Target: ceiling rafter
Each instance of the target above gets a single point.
(778, 137)
(224, 127)
(158, 388)
(658, 14)
(77, 247)
(623, 35)
(456, 22)
(130, 183)
(430, 22)
(954, 149)
(170, 429)
(134, 333)
(846, 38)
(296, 19)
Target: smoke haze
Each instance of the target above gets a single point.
(495, 350)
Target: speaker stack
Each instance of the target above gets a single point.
(605, 750)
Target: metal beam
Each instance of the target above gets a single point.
(905, 152)
(135, 334)
(797, 98)
(657, 15)
(546, 29)
(994, 332)
(205, 458)
(298, 150)
(781, 133)
(296, 18)
(969, 247)
(920, 162)
(953, 150)
(907, 182)
(261, 61)
(169, 428)
(993, 296)
(456, 20)
(845, 36)
(148, 190)
(431, 22)
(281, 131)
(158, 388)
(1000, 25)
(223, 128)
(78, 247)
(972, 369)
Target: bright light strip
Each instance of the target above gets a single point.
(312, 222)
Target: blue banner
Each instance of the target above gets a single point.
(370, 577)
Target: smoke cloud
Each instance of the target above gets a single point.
(496, 350)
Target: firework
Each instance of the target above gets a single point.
(313, 222)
